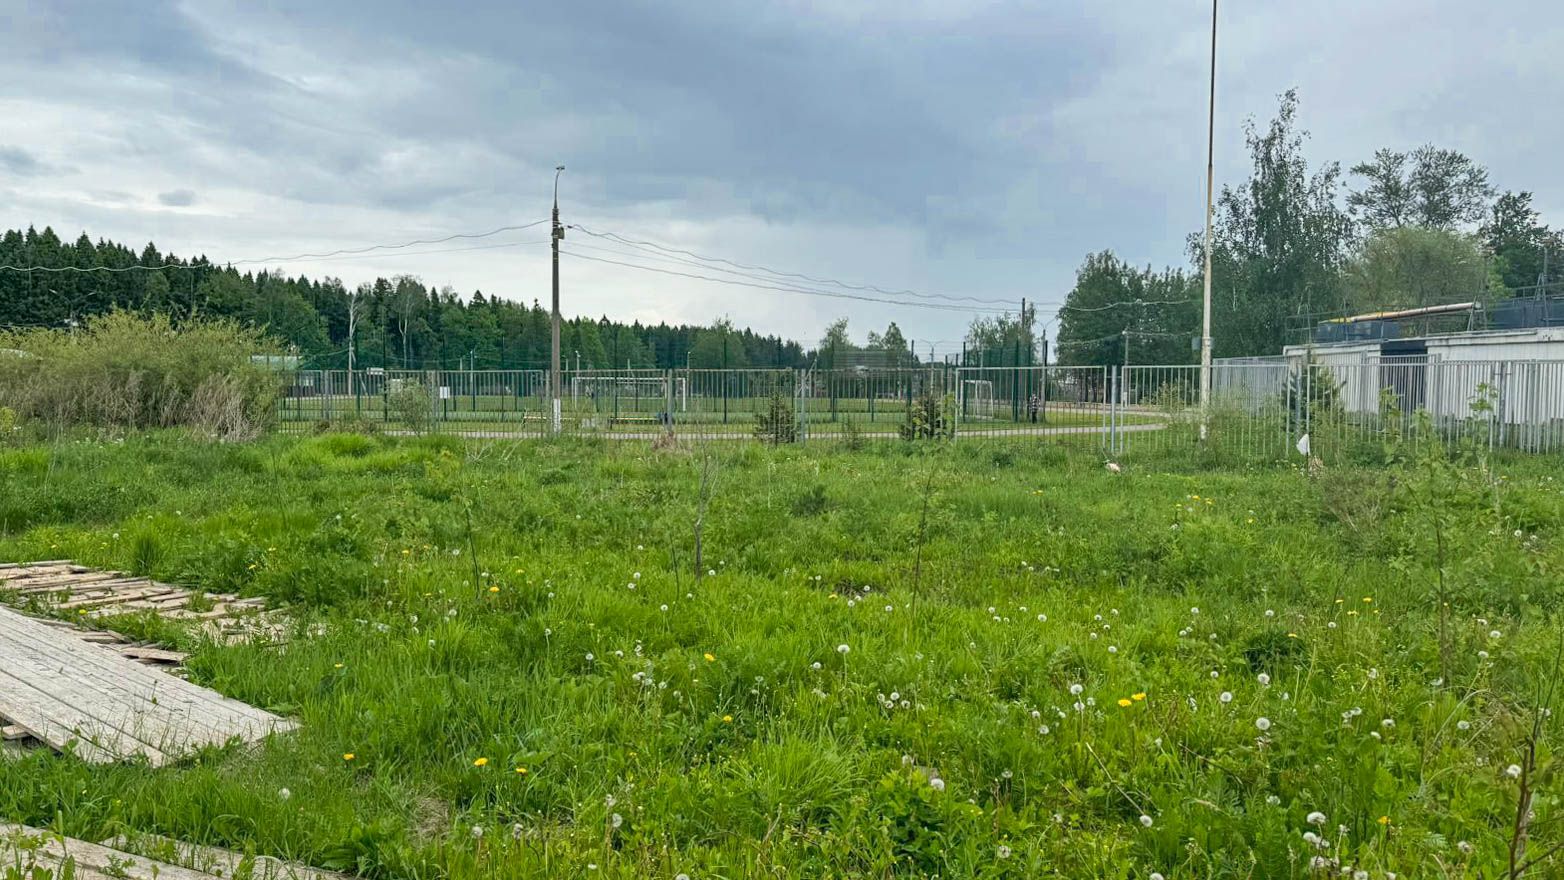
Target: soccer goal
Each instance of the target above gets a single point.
(977, 398)
(650, 393)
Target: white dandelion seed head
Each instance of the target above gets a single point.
(516, 831)
(1145, 821)
(1076, 689)
(1195, 610)
(1463, 724)
(1464, 847)
(283, 794)
(1264, 679)
(937, 784)
(1315, 818)
(589, 657)
(1002, 851)
(1482, 655)
(616, 820)
(1273, 800)
(1113, 649)
(477, 831)
(1513, 771)
(1226, 696)
(1494, 634)
(842, 649)
(1263, 723)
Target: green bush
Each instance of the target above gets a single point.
(131, 372)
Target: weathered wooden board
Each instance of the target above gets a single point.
(33, 849)
(218, 861)
(63, 690)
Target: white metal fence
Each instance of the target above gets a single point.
(1262, 410)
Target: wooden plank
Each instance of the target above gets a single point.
(90, 860)
(83, 658)
(92, 673)
(157, 655)
(149, 593)
(60, 688)
(69, 580)
(7, 566)
(216, 860)
(13, 732)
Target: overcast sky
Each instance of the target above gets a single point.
(972, 148)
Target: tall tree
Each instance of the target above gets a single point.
(1409, 267)
(1432, 187)
(1116, 307)
(1279, 242)
(1525, 251)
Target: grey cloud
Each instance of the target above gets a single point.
(19, 162)
(177, 198)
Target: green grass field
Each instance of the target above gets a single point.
(909, 660)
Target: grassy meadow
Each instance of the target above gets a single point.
(971, 660)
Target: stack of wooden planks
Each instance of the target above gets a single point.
(67, 692)
(36, 854)
(62, 585)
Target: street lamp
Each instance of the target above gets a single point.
(557, 233)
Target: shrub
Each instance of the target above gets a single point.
(131, 372)
(930, 417)
(411, 404)
(775, 424)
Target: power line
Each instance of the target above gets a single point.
(481, 247)
(786, 289)
(642, 245)
(1131, 302)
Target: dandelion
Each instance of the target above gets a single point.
(1383, 820)
(842, 649)
(1513, 771)
(1269, 613)
(1273, 800)
(477, 832)
(815, 665)
(1226, 697)
(1125, 703)
(616, 820)
(1494, 634)
(1145, 820)
(1113, 649)
(1264, 679)
(1463, 725)
(348, 756)
(521, 771)
(516, 831)
(1003, 851)
(662, 607)
(727, 719)
(481, 762)
(283, 794)
(494, 589)
(1075, 690)
(1482, 655)
(589, 657)
(1137, 697)
(1388, 723)
(1464, 847)
(1155, 876)
(1263, 723)
(681, 876)
(709, 657)
(1315, 818)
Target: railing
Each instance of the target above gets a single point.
(1268, 410)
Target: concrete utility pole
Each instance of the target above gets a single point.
(554, 383)
(352, 332)
(1205, 324)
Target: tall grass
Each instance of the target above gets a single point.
(130, 372)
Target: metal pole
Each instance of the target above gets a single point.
(1205, 324)
(554, 377)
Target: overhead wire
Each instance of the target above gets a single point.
(641, 244)
(786, 288)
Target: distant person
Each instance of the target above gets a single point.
(1031, 407)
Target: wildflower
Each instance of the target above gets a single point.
(1226, 697)
(1125, 703)
(1388, 723)
(1042, 618)
(1138, 696)
(1264, 679)
(709, 657)
(589, 657)
(1195, 610)
(1513, 771)
(1315, 818)
(1273, 800)
(477, 832)
(1463, 725)
(1383, 820)
(1113, 649)
(1145, 821)
(842, 649)
(1263, 723)
(1003, 851)
(1482, 655)
(1464, 847)
(521, 771)
(663, 607)
(481, 762)
(348, 756)
(494, 589)
(727, 719)
(1494, 634)
(1076, 689)
(681, 876)
(616, 820)
(516, 831)
(283, 794)
(815, 665)
(1155, 876)
(937, 784)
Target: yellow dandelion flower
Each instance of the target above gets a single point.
(521, 771)
(1384, 820)
(727, 719)
(710, 658)
(494, 589)
(348, 756)
(1368, 599)
(1138, 697)
(336, 665)
(1292, 635)
(1125, 703)
(481, 762)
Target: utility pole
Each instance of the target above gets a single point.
(352, 332)
(1124, 395)
(558, 233)
(1205, 324)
